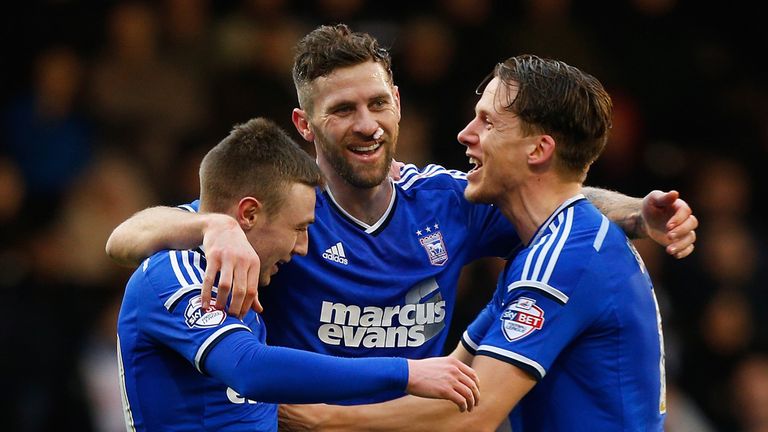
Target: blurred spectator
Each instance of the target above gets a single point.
(98, 366)
(545, 28)
(47, 134)
(111, 190)
(683, 415)
(144, 103)
(621, 165)
(749, 393)
(12, 192)
(719, 294)
(723, 188)
(425, 56)
(413, 143)
(260, 82)
(188, 42)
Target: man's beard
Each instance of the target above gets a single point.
(363, 178)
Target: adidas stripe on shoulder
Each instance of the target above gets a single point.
(410, 174)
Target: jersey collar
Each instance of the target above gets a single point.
(567, 203)
(380, 224)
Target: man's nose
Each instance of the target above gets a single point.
(302, 244)
(365, 123)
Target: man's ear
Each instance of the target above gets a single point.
(301, 121)
(396, 93)
(543, 152)
(249, 212)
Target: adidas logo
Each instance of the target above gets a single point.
(336, 253)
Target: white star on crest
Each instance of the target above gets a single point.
(428, 229)
(418, 233)
(437, 227)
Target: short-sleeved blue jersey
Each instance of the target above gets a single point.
(387, 289)
(164, 338)
(576, 309)
(186, 368)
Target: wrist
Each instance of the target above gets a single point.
(217, 222)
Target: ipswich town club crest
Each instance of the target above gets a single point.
(433, 244)
(521, 318)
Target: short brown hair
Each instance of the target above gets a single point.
(561, 100)
(328, 48)
(257, 159)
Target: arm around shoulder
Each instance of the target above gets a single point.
(662, 216)
(157, 228)
(502, 385)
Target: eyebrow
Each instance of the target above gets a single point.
(340, 104)
(378, 96)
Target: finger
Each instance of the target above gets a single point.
(664, 199)
(248, 300)
(457, 399)
(253, 289)
(251, 296)
(682, 211)
(471, 384)
(256, 304)
(467, 395)
(237, 305)
(682, 253)
(472, 394)
(689, 224)
(682, 243)
(225, 284)
(208, 278)
(468, 371)
(475, 388)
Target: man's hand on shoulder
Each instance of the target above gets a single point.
(670, 222)
(228, 252)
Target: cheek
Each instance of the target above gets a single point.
(287, 241)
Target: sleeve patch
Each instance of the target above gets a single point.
(196, 317)
(521, 318)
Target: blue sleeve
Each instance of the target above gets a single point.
(285, 375)
(192, 207)
(482, 324)
(474, 334)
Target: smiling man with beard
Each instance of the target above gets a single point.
(381, 272)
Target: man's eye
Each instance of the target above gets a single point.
(343, 110)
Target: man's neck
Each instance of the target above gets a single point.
(530, 206)
(364, 204)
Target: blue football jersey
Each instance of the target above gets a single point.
(576, 310)
(164, 337)
(387, 289)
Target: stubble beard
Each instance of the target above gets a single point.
(358, 175)
(476, 195)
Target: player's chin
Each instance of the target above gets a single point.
(472, 194)
(478, 197)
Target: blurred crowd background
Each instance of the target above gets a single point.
(107, 108)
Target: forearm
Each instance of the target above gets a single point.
(502, 385)
(407, 414)
(284, 375)
(624, 211)
(157, 228)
